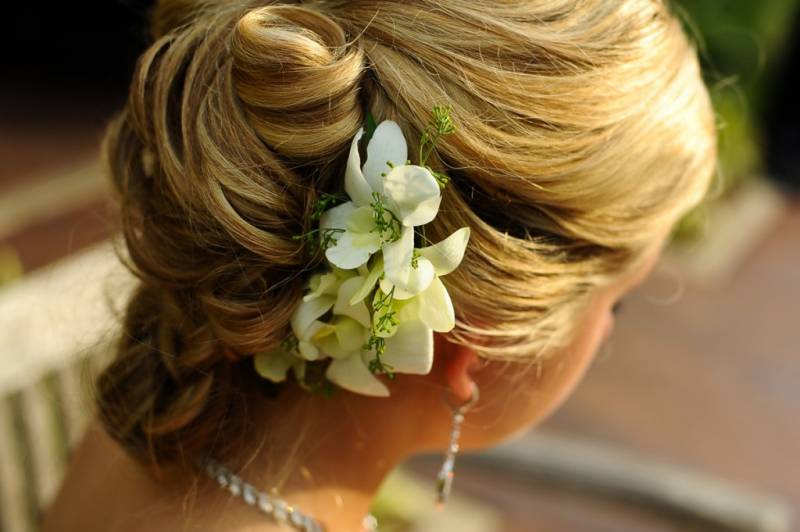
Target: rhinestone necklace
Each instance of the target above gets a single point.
(275, 507)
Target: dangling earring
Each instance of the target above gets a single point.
(444, 480)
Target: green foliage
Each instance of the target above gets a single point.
(369, 127)
(387, 224)
(289, 344)
(383, 306)
(415, 255)
(325, 202)
(321, 238)
(384, 320)
(440, 124)
(740, 45)
(376, 365)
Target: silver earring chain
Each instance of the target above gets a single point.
(444, 481)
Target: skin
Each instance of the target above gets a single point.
(329, 456)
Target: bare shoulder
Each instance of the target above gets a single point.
(107, 490)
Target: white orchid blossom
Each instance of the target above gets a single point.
(390, 191)
(382, 299)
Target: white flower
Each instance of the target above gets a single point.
(409, 343)
(344, 334)
(360, 239)
(274, 365)
(431, 262)
(342, 338)
(344, 342)
(410, 194)
(308, 329)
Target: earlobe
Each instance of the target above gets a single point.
(459, 360)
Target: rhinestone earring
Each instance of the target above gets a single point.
(444, 481)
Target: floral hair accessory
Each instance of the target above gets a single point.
(376, 306)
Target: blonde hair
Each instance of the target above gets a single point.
(584, 131)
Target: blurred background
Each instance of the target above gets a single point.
(689, 420)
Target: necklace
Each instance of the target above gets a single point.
(275, 507)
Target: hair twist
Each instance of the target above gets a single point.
(298, 79)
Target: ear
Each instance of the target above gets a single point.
(458, 361)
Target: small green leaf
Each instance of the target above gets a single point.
(439, 125)
(325, 202)
(369, 127)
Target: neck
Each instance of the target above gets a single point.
(329, 456)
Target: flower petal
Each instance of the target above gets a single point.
(361, 220)
(354, 183)
(399, 269)
(387, 144)
(343, 275)
(383, 319)
(414, 194)
(344, 338)
(351, 250)
(274, 364)
(447, 254)
(307, 344)
(343, 307)
(436, 308)
(350, 334)
(410, 350)
(419, 279)
(397, 256)
(307, 313)
(399, 294)
(336, 217)
(322, 284)
(352, 374)
(408, 310)
(308, 350)
(369, 282)
(371, 241)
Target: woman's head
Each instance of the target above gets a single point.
(583, 132)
